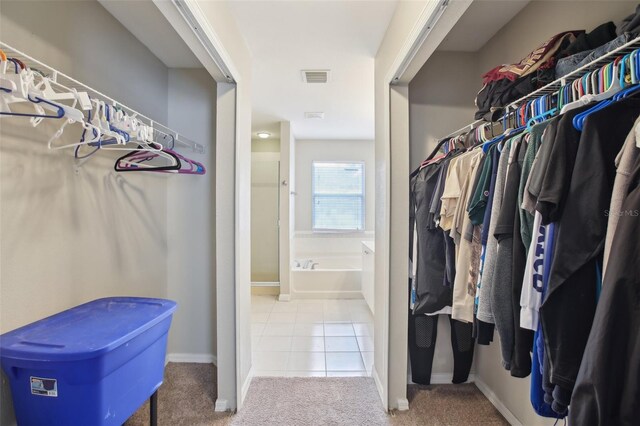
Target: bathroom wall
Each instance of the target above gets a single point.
(307, 243)
(308, 151)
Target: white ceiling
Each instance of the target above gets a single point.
(481, 21)
(147, 24)
(285, 37)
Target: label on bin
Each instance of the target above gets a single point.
(44, 387)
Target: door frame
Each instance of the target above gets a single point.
(392, 201)
(191, 24)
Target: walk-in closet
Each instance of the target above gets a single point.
(311, 212)
(516, 227)
(121, 202)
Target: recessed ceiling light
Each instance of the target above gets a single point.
(263, 135)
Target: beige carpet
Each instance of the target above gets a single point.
(312, 401)
(440, 405)
(188, 396)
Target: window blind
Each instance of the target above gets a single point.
(338, 196)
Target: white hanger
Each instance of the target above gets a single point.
(614, 88)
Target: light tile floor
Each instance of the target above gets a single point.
(311, 338)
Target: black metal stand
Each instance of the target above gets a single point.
(153, 404)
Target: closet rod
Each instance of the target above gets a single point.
(466, 128)
(554, 86)
(69, 83)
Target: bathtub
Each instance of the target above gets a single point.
(332, 277)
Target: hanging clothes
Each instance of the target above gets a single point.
(569, 306)
(501, 290)
(607, 387)
(624, 166)
(433, 288)
(431, 295)
(468, 239)
(485, 312)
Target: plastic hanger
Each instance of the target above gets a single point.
(194, 166)
(135, 161)
(578, 120)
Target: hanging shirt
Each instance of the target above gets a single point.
(501, 303)
(607, 387)
(485, 312)
(463, 297)
(624, 164)
(526, 218)
(569, 305)
(430, 293)
(531, 297)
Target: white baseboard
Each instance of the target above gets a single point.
(194, 358)
(265, 284)
(403, 404)
(284, 298)
(493, 398)
(245, 387)
(378, 382)
(222, 405)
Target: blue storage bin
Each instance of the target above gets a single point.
(94, 364)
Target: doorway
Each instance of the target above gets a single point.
(265, 216)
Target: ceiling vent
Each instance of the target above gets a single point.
(315, 76)
(314, 115)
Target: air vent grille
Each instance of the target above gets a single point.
(315, 76)
(314, 115)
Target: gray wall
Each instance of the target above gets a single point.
(441, 101)
(72, 236)
(190, 222)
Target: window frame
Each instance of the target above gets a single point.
(363, 198)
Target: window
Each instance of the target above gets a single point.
(338, 196)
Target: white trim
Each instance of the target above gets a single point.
(222, 405)
(192, 358)
(245, 387)
(265, 283)
(412, 42)
(425, 25)
(201, 27)
(346, 234)
(403, 404)
(284, 298)
(376, 379)
(493, 398)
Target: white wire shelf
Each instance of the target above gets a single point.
(162, 133)
(599, 62)
(556, 85)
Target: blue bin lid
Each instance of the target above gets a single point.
(85, 331)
